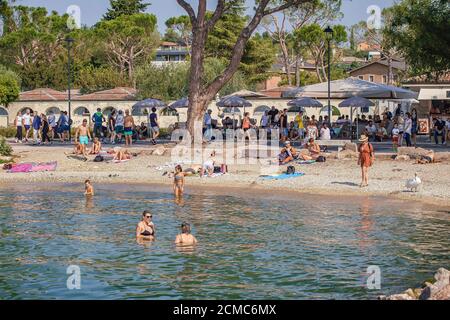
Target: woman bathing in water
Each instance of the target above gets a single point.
(146, 228)
(89, 188)
(178, 181)
(185, 238)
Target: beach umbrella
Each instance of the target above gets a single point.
(149, 103)
(182, 103)
(233, 102)
(305, 102)
(247, 94)
(347, 88)
(355, 102)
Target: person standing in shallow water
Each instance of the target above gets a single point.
(185, 238)
(146, 228)
(89, 188)
(178, 181)
(365, 159)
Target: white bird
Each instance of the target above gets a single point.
(413, 183)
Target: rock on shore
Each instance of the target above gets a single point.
(439, 290)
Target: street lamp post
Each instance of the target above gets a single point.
(329, 35)
(69, 41)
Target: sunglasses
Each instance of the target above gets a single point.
(149, 216)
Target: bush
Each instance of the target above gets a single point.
(5, 148)
(8, 132)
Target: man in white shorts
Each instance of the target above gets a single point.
(208, 165)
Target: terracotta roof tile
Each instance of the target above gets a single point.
(116, 94)
(43, 94)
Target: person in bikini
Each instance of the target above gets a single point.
(287, 154)
(178, 181)
(185, 238)
(84, 135)
(313, 149)
(146, 228)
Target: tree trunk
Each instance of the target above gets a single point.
(390, 72)
(297, 71)
(287, 67)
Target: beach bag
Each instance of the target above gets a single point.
(290, 170)
(98, 158)
(217, 169)
(321, 159)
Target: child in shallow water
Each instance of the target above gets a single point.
(178, 181)
(89, 188)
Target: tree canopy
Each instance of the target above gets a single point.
(124, 8)
(9, 86)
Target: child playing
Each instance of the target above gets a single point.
(395, 136)
(89, 188)
(96, 146)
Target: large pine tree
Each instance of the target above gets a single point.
(124, 7)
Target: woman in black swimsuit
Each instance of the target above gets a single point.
(146, 228)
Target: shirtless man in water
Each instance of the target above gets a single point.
(128, 128)
(146, 228)
(185, 238)
(85, 136)
(89, 188)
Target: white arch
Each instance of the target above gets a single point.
(3, 111)
(55, 110)
(81, 111)
(107, 111)
(261, 109)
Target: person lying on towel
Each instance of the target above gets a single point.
(313, 150)
(287, 154)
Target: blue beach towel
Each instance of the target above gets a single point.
(282, 176)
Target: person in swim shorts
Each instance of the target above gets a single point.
(128, 130)
(84, 136)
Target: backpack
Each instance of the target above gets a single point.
(321, 159)
(98, 158)
(290, 170)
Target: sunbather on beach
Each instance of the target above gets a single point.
(178, 181)
(145, 229)
(208, 165)
(77, 149)
(96, 146)
(185, 238)
(121, 155)
(287, 154)
(313, 149)
(89, 188)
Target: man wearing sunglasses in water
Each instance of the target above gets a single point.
(146, 228)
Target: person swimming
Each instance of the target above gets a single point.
(185, 238)
(146, 228)
(178, 181)
(89, 188)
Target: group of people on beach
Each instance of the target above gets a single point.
(44, 128)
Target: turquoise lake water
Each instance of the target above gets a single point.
(269, 247)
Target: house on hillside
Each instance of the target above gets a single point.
(170, 52)
(378, 71)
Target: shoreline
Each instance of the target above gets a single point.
(253, 189)
(335, 177)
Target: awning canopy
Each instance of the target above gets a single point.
(346, 88)
(434, 94)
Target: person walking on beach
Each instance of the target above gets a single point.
(178, 181)
(120, 122)
(146, 228)
(37, 122)
(98, 120)
(128, 129)
(52, 123)
(185, 238)
(154, 125)
(18, 123)
(88, 188)
(45, 129)
(26, 118)
(112, 126)
(365, 159)
(84, 136)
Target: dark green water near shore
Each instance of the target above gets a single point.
(249, 247)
